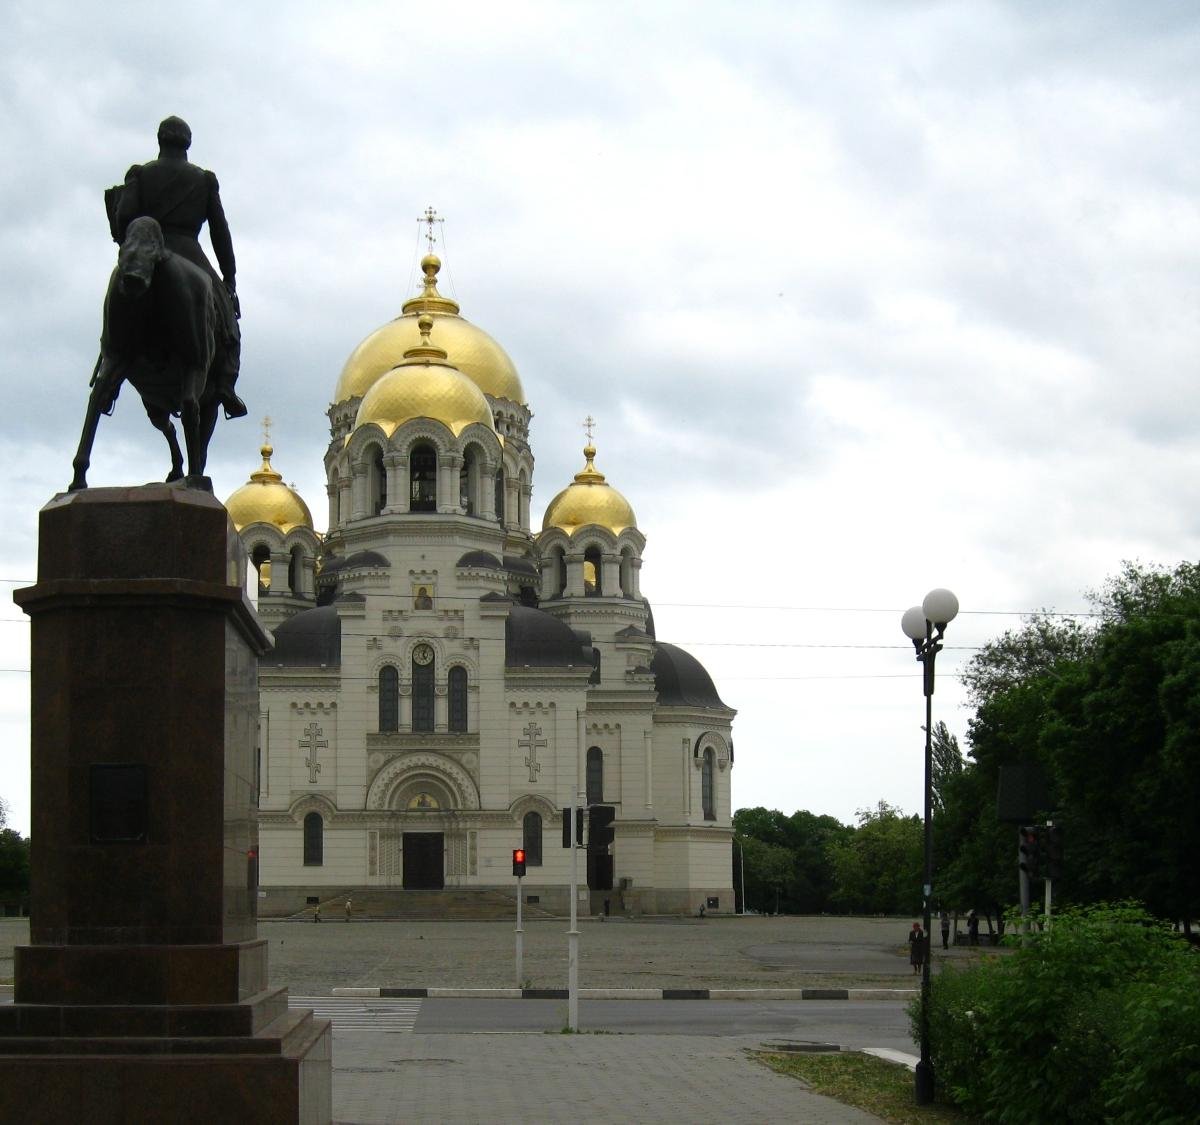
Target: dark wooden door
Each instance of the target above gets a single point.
(423, 867)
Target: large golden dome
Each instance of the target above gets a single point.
(470, 349)
(266, 499)
(424, 385)
(590, 499)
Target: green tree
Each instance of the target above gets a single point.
(805, 837)
(14, 861)
(879, 870)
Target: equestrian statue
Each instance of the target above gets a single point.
(170, 321)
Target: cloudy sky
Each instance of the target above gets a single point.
(866, 298)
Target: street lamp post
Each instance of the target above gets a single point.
(925, 625)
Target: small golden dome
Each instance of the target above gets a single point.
(591, 499)
(470, 349)
(424, 385)
(266, 499)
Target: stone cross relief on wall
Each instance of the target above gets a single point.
(312, 742)
(531, 742)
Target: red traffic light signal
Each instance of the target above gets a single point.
(1031, 850)
(518, 862)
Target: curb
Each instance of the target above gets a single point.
(632, 993)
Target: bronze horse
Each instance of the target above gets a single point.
(162, 334)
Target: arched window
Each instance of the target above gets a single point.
(314, 840)
(261, 558)
(500, 495)
(531, 838)
(422, 688)
(422, 476)
(378, 482)
(706, 785)
(458, 698)
(591, 572)
(595, 776)
(594, 678)
(389, 698)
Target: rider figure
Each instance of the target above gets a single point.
(181, 197)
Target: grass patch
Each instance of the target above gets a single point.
(870, 1084)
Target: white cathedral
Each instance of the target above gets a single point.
(446, 680)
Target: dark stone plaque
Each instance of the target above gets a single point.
(118, 804)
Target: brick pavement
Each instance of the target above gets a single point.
(518, 1078)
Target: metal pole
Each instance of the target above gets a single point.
(1049, 880)
(1024, 889)
(520, 936)
(924, 1087)
(573, 932)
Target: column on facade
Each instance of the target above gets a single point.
(441, 708)
(280, 572)
(396, 467)
(574, 560)
(635, 570)
(525, 492)
(648, 745)
(549, 566)
(345, 499)
(487, 489)
(512, 501)
(447, 483)
(687, 776)
(359, 504)
(333, 492)
(610, 575)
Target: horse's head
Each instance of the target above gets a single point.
(141, 251)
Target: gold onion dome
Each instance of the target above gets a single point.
(424, 385)
(590, 499)
(264, 498)
(470, 349)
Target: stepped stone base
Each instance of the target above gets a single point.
(143, 996)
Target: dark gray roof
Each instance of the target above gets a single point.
(308, 640)
(514, 564)
(366, 558)
(532, 637)
(331, 565)
(480, 558)
(681, 680)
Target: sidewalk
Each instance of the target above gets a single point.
(518, 1078)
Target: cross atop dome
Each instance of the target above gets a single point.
(429, 218)
(588, 423)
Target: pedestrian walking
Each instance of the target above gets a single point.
(347, 910)
(317, 913)
(972, 927)
(945, 920)
(916, 947)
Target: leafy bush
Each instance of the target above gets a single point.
(1058, 1030)
(1156, 1076)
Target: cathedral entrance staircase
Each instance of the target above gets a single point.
(453, 905)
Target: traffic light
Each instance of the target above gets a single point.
(572, 816)
(518, 862)
(1031, 850)
(600, 829)
(1053, 851)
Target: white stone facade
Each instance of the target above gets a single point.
(444, 677)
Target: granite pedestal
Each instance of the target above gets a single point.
(143, 993)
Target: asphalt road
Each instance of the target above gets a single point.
(851, 1025)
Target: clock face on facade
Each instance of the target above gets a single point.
(423, 654)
